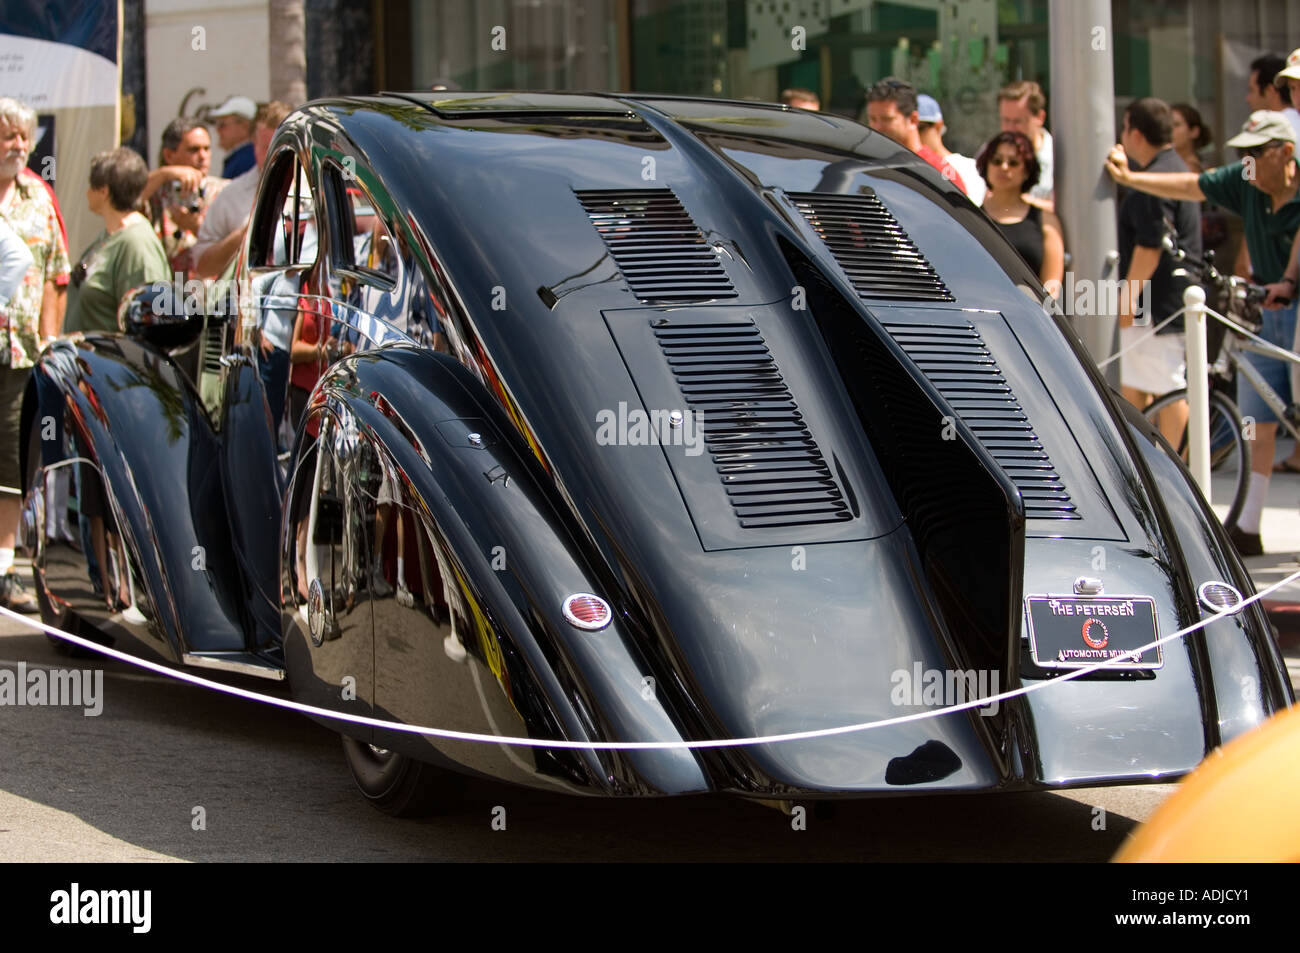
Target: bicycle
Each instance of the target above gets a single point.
(1239, 301)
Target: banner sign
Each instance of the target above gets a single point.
(58, 54)
(61, 58)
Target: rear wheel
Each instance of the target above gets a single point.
(400, 785)
(1229, 448)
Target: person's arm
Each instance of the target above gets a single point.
(1052, 271)
(57, 269)
(215, 257)
(1241, 267)
(49, 327)
(1140, 268)
(1284, 289)
(300, 352)
(1167, 185)
(190, 178)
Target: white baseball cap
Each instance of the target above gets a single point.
(1263, 126)
(235, 106)
(1291, 71)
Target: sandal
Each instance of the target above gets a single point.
(1286, 466)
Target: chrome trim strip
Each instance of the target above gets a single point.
(233, 662)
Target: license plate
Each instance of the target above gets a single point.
(1076, 631)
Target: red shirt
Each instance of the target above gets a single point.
(943, 165)
(306, 374)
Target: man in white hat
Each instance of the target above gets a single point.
(1264, 189)
(233, 121)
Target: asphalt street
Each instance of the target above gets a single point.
(273, 786)
(132, 784)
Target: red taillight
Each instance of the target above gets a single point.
(587, 611)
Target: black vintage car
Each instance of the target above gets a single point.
(642, 419)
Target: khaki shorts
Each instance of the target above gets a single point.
(1156, 366)
(13, 384)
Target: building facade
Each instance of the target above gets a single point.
(961, 52)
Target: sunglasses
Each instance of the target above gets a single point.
(79, 274)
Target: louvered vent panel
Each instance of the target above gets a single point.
(656, 245)
(212, 342)
(958, 363)
(769, 464)
(872, 248)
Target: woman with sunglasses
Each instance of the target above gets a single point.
(125, 255)
(1009, 166)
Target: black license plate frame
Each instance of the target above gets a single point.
(1073, 631)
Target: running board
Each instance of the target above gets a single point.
(244, 663)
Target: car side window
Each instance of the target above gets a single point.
(285, 232)
(373, 248)
(364, 246)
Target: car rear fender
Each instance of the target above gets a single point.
(493, 560)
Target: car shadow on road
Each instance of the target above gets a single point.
(272, 786)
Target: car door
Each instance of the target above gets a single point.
(276, 275)
(338, 561)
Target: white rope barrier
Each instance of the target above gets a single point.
(1117, 662)
(1155, 330)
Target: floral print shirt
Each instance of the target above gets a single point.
(31, 214)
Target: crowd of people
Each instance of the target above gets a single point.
(1263, 188)
(177, 221)
(1010, 177)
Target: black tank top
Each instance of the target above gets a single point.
(1027, 237)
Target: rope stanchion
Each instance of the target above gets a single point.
(1118, 662)
(1198, 388)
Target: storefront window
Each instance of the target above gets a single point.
(501, 44)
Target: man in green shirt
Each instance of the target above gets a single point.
(1264, 189)
(125, 255)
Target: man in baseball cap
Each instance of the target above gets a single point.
(929, 123)
(233, 120)
(1263, 189)
(1288, 81)
(1262, 128)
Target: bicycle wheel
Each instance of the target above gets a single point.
(1229, 448)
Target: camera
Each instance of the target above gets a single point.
(180, 197)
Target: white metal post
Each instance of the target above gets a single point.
(1198, 389)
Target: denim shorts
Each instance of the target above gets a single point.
(1279, 328)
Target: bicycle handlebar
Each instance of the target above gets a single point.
(1250, 294)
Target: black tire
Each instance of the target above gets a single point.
(1229, 447)
(399, 785)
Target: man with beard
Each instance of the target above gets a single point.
(26, 207)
